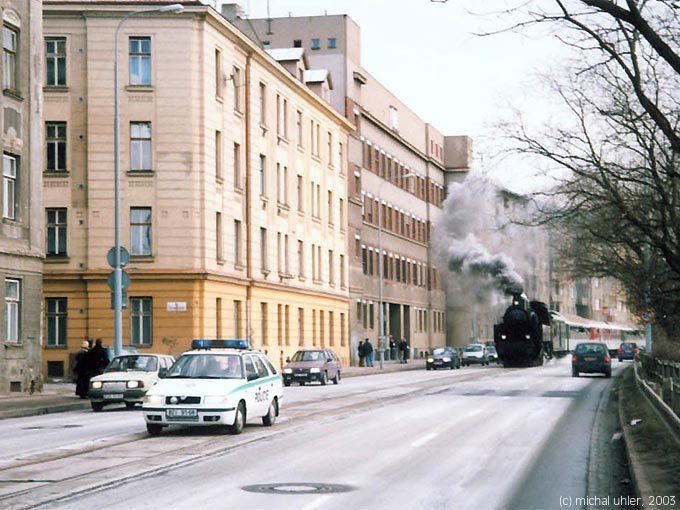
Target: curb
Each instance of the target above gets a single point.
(46, 409)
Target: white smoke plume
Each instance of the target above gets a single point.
(470, 215)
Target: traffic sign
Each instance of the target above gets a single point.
(125, 280)
(124, 257)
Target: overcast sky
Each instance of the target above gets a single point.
(426, 53)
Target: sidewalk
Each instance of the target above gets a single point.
(61, 397)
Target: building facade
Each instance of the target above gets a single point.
(233, 195)
(398, 167)
(21, 226)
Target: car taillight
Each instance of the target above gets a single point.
(607, 359)
(620, 350)
(635, 351)
(574, 358)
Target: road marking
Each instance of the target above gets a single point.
(316, 503)
(423, 440)
(474, 412)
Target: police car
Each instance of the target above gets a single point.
(218, 382)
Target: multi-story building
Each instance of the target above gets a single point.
(21, 226)
(399, 165)
(233, 195)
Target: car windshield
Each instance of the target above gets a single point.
(473, 348)
(441, 350)
(131, 363)
(590, 349)
(628, 347)
(307, 356)
(207, 366)
(491, 350)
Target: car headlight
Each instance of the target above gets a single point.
(430, 360)
(215, 400)
(314, 370)
(135, 384)
(528, 337)
(503, 337)
(287, 370)
(96, 385)
(446, 360)
(154, 399)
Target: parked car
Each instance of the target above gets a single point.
(443, 357)
(591, 357)
(493, 353)
(627, 350)
(475, 353)
(127, 378)
(310, 365)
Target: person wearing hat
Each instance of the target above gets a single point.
(82, 370)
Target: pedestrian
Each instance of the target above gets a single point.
(393, 348)
(82, 370)
(403, 346)
(98, 358)
(362, 353)
(368, 350)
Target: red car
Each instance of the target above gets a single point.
(310, 365)
(628, 350)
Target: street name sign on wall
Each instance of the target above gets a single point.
(176, 306)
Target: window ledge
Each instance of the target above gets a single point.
(140, 173)
(220, 261)
(239, 267)
(142, 258)
(13, 94)
(139, 88)
(55, 174)
(281, 139)
(56, 347)
(56, 88)
(57, 259)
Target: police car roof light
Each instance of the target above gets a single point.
(233, 343)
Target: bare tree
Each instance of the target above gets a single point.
(617, 206)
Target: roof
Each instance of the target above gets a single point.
(582, 322)
(317, 76)
(285, 54)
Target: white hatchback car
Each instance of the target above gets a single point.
(219, 382)
(127, 379)
(475, 353)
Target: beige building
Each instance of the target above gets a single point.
(233, 194)
(21, 224)
(399, 165)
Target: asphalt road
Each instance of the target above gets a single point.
(480, 437)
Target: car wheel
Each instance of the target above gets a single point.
(130, 405)
(574, 372)
(154, 429)
(324, 378)
(620, 360)
(286, 384)
(302, 383)
(608, 373)
(428, 368)
(273, 411)
(239, 419)
(97, 406)
(336, 379)
(452, 365)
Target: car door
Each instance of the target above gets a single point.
(334, 364)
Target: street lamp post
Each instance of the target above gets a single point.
(117, 270)
(381, 305)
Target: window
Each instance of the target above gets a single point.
(301, 258)
(218, 156)
(342, 271)
(263, 249)
(237, 242)
(263, 175)
(330, 208)
(9, 186)
(316, 44)
(218, 237)
(237, 166)
(263, 104)
(263, 323)
(56, 232)
(140, 61)
(56, 317)
(329, 152)
(140, 146)
(301, 326)
(341, 213)
(298, 125)
(55, 139)
(236, 79)
(141, 320)
(219, 79)
(331, 274)
(332, 43)
(238, 318)
(140, 231)
(55, 61)
(297, 43)
(12, 302)
(9, 57)
(300, 194)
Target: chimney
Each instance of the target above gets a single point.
(232, 12)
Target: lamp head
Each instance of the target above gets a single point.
(173, 8)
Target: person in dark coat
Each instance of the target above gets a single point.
(403, 349)
(98, 358)
(361, 352)
(393, 348)
(82, 370)
(368, 350)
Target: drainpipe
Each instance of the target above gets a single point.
(248, 183)
(429, 241)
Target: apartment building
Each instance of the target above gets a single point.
(233, 195)
(21, 227)
(399, 165)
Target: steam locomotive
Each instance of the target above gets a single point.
(519, 337)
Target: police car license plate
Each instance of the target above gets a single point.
(113, 396)
(181, 414)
